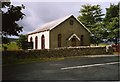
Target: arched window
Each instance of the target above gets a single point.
(36, 42)
(59, 40)
(31, 40)
(42, 42)
(31, 43)
(81, 40)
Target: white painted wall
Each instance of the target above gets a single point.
(39, 35)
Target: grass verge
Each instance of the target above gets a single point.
(29, 60)
(10, 46)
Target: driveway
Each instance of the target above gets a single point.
(77, 68)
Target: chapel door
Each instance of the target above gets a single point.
(73, 41)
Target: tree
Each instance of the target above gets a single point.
(91, 17)
(22, 42)
(111, 22)
(98, 35)
(10, 18)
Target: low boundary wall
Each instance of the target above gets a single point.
(59, 52)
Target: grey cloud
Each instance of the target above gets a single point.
(38, 13)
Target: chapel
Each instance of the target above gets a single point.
(64, 32)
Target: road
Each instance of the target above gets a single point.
(78, 68)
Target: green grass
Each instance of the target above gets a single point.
(29, 60)
(0, 46)
(11, 46)
(101, 44)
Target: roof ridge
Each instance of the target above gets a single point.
(53, 24)
(66, 17)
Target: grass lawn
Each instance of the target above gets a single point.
(11, 46)
(102, 45)
(116, 53)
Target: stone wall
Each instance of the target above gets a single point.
(58, 52)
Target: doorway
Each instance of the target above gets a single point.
(73, 41)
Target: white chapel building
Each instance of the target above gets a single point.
(63, 32)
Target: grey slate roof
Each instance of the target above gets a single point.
(53, 24)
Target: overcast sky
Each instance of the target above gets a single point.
(39, 13)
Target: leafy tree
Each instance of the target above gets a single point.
(98, 35)
(93, 14)
(10, 18)
(22, 42)
(91, 17)
(111, 22)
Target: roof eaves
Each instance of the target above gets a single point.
(38, 32)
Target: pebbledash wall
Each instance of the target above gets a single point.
(39, 35)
